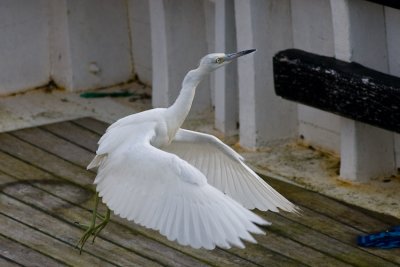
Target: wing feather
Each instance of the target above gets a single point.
(226, 171)
(173, 198)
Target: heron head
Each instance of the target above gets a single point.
(214, 61)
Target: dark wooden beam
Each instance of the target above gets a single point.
(347, 89)
(390, 3)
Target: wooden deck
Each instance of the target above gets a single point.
(45, 189)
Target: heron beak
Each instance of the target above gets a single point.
(232, 56)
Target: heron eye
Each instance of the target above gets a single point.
(219, 60)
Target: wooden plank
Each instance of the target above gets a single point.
(311, 257)
(5, 262)
(91, 124)
(323, 214)
(46, 244)
(77, 134)
(347, 89)
(45, 161)
(267, 242)
(40, 138)
(60, 230)
(67, 212)
(70, 191)
(340, 231)
(321, 242)
(325, 205)
(23, 255)
(342, 212)
(255, 253)
(65, 230)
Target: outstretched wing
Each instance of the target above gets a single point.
(225, 169)
(161, 191)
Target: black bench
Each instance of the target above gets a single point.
(347, 89)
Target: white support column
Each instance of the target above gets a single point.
(24, 31)
(178, 43)
(209, 13)
(90, 45)
(225, 80)
(366, 151)
(264, 117)
(313, 32)
(392, 22)
(139, 26)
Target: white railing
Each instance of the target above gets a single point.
(91, 44)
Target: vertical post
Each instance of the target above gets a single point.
(139, 26)
(312, 32)
(366, 151)
(24, 45)
(225, 81)
(178, 43)
(264, 117)
(392, 17)
(94, 48)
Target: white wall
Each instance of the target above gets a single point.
(80, 45)
(96, 43)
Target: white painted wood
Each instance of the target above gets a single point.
(24, 58)
(139, 25)
(392, 22)
(209, 12)
(178, 42)
(225, 81)
(313, 32)
(264, 117)
(60, 60)
(366, 151)
(97, 52)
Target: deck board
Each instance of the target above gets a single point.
(45, 189)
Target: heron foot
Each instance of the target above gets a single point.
(92, 228)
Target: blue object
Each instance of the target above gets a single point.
(385, 240)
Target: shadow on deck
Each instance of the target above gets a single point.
(45, 189)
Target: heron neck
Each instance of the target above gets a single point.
(181, 107)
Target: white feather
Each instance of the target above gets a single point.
(227, 172)
(158, 175)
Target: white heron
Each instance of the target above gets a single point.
(189, 186)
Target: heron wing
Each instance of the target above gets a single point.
(225, 169)
(159, 190)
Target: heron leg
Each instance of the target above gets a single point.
(92, 228)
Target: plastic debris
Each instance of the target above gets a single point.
(106, 94)
(385, 240)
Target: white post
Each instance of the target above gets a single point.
(312, 32)
(24, 31)
(226, 91)
(139, 26)
(366, 151)
(178, 34)
(264, 117)
(392, 17)
(90, 45)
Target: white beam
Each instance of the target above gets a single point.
(264, 117)
(366, 151)
(178, 34)
(225, 81)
